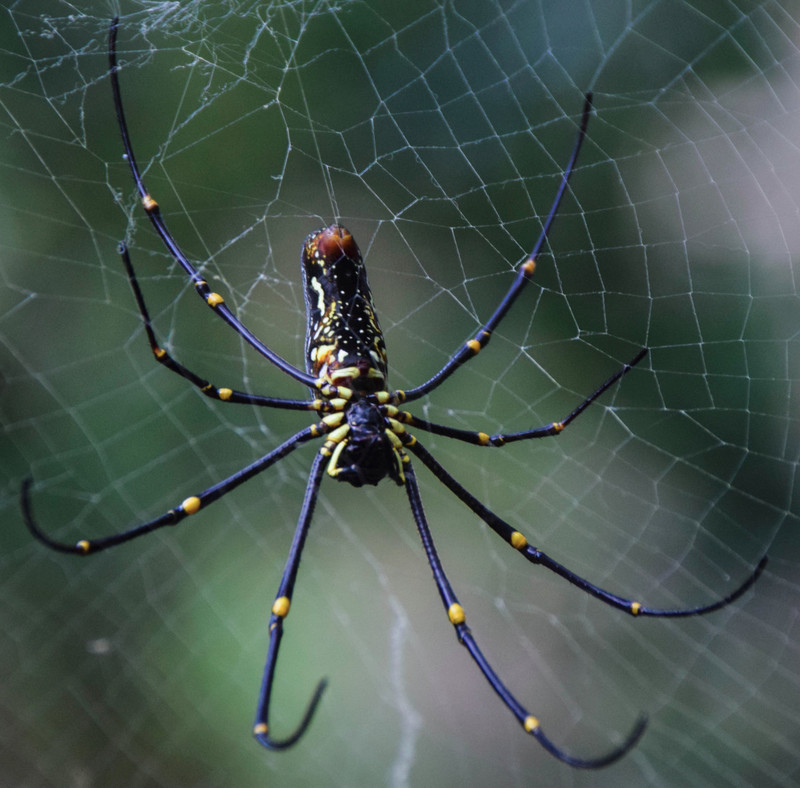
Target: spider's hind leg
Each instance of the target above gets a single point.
(223, 394)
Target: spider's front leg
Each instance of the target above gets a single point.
(520, 543)
(189, 506)
(280, 609)
(223, 394)
(457, 618)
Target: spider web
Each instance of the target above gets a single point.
(436, 132)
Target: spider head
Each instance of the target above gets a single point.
(367, 453)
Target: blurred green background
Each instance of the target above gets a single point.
(437, 133)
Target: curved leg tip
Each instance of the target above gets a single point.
(27, 511)
(27, 514)
(261, 728)
(594, 763)
(699, 611)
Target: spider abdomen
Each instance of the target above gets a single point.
(344, 343)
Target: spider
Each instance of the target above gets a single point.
(363, 430)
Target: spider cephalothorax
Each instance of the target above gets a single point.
(370, 450)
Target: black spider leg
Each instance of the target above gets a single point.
(501, 439)
(207, 388)
(457, 618)
(190, 505)
(214, 300)
(472, 347)
(520, 543)
(280, 609)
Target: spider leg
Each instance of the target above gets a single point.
(518, 541)
(214, 300)
(501, 439)
(456, 615)
(209, 389)
(190, 505)
(472, 347)
(280, 609)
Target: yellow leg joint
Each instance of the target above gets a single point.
(260, 729)
(281, 606)
(456, 614)
(83, 546)
(474, 346)
(518, 541)
(225, 394)
(530, 724)
(339, 434)
(341, 392)
(149, 204)
(529, 266)
(636, 608)
(191, 505)
(333, 419)
(159, 352)
(214, 299)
